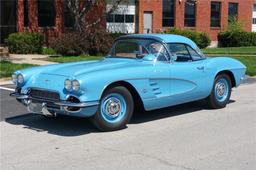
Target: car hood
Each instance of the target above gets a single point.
(80, 68)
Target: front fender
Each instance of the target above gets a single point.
(219, 64)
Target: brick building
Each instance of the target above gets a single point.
(51, 17)
(210, 16)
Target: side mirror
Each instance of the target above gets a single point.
(149, 57)
(174, 57)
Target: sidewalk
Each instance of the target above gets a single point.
(5, 81)
(30, 59)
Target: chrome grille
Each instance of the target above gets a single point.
(44, 94)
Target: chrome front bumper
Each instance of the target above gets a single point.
(59, 103)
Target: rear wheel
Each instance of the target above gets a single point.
(115, 110)
(221, 92)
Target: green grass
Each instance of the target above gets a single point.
(231, 50)
(7, 68)
(64, 59)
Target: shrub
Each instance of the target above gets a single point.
(25, 43)
(100, 41)
(90, 42)
(70, 44)
(200, 38)
(234, 25)
(48, 51)
(237, 39)
(235, 36)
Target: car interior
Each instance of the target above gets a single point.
(183, 53)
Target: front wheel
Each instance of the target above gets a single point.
(115, 110)
(221, 92)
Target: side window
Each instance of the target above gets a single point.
(129, 49)
(159, 51)
(126, 49)
(194, 54)
(180, 52)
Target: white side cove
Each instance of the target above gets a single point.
(122, 20)
(254, 18)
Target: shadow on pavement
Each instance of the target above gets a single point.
(60, 125)
(72, 126)
(187, 108)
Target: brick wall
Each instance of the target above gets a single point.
(50, 33)
(154, 6)
(203, 14)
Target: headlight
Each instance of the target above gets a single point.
(20, 79)
(14, 78)
(75, 85)
(68, 84)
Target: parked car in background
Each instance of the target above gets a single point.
(148, 71)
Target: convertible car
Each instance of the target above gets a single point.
(141, 71)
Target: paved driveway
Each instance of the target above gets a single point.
(183, 137)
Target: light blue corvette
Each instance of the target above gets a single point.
(148, 71)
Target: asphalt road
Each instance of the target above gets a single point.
(184, 137)
(9, 106)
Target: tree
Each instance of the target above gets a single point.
(80, 8)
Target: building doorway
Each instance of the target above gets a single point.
(147, 22)
(8, 23)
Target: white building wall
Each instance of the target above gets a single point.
(123, 9)
(254, 19)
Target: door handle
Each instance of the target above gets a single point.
(200, 68)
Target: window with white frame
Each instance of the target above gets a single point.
(121, 20)
(254, 18)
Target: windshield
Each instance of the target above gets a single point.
(138, 48)
(200, 52)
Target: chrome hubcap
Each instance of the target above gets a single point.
(113, 107)
(221, 89)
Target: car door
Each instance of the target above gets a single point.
(187, 73)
